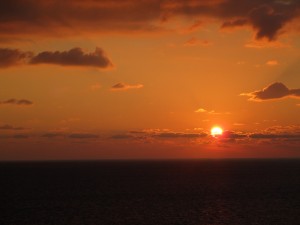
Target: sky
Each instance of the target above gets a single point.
(148, 79)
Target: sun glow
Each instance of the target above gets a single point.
(216, 131)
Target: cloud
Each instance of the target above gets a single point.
(13, 57)
(124, 87)
(52, 135)
(276, 90)
(9, 127)
(73, 57)
(180, 135)
(234, 23)
(233, 135)
(21, 136)
(213, 112)
(195, 42)
(83, 135)
(121, 136)
(18, 17)
(272, 63)
(95, 87)
(272, 136)
(200, 110)
(21, 102)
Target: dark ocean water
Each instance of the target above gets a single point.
(210, 192)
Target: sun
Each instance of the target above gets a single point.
(216, 131)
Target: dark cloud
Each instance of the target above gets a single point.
(73, 57)
(124, 87)
(83, 135)
(12, 101)
(273, 91)
(267, 17)
(9, 127)
(13, 57)
(233, 135)
(268, 22)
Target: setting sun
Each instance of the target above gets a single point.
(216, 131)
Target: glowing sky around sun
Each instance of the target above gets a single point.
(149, 79)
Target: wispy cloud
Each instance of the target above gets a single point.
(213, 112)
(20, 102)
(276, 90)
(9, 127)
(179, 135)
(272, 63)
(197, 42)
(83, 135)
(124, 87)
(52, 135)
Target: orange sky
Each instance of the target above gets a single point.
(149, 79)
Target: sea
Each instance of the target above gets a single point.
(151, 192)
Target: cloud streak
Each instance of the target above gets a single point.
(124, 87)
(274, 91)
(21, 102)
(73, 57)
(9, 127)
(83, 136)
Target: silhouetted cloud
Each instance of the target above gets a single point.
(267, 17)
(273, 91)
(233, 135)
(123, 87)
(9, 127)
(13, 57)
(73, 57)
(12, 101)
(83, 135)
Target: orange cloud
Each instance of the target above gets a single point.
(195, 41)
(272, 63)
